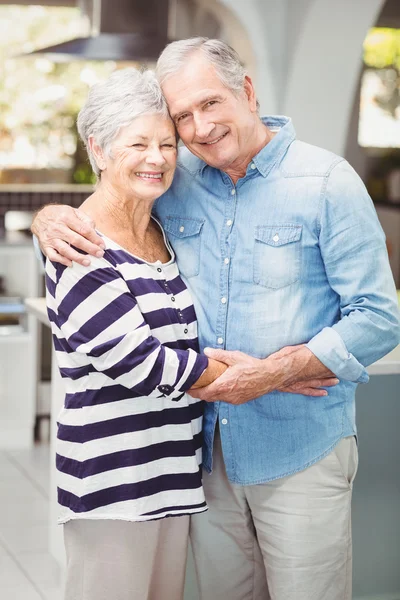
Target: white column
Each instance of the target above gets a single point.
(325, 66)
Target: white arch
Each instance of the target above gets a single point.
(325, 69)
(252, 19)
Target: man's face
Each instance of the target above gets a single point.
(213, 122)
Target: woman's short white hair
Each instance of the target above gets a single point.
(224, 59)
(115, 103)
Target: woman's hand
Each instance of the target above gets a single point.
(59, 227)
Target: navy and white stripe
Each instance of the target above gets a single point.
(129, 436)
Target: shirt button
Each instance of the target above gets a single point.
(220, 340)
(276, 238)
(224, 421)
(223, 300)
(226, 261)
(159, 270)
(233, 192)
(181, 229)
(253, 166)
(172, 299)
(185, 330)
(229, 222)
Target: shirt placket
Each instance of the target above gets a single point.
(225, 266)
(172, 298)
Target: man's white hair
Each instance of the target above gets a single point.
(224, 59)
(115, 103)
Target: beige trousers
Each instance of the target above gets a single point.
(288, 539)
(121, 560)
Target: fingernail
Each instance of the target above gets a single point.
(102, 245)
(86, 262)
(325, 393)
(100, 253)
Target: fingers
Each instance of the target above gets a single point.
(87, 229)
(60, 227)
(221, 355)
(54, 256)
(315, 393)
(63, 251)
(318, 383)
(304, 391)
(75, 239)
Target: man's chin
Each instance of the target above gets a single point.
(214, 160)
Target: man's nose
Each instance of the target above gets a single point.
(203, 128)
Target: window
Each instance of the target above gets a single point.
(379, 123)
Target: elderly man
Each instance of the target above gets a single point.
(281, 247)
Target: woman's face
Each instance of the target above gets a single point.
(142, 160)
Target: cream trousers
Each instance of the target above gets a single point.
(288, 539)
(122, 560)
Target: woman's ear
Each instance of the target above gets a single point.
(97, 152)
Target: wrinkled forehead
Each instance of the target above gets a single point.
(195, 81)
(148, 126)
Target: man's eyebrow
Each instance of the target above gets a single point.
(198, 103)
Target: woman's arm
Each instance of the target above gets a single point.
(213, 371)
(96, 316)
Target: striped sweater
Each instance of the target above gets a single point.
(129, 437)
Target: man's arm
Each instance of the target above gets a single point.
(58, 227)
(353, 248)
(293, 369)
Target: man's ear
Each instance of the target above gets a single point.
(250, 93)
(97, 153)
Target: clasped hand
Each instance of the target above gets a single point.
(248, 378)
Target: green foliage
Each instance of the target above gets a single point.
(39, 99)
(382, 53)
(382, 48)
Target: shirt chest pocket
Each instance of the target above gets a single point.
(184, 235)
(277, 255)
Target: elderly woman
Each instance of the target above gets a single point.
(124, 330)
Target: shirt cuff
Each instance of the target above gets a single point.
(39, 254)
(330, 349)
(200, 365)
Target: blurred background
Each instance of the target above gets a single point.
(331, 65)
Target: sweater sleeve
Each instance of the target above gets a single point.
(97, 317)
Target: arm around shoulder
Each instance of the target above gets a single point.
(60, 228)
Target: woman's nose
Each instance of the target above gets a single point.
(155, 156)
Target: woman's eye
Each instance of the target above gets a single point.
(138, 146)
(168, 146)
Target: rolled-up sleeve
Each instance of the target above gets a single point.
(354, 252)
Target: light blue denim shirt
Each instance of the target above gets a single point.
(291, 254)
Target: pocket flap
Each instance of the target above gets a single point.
(278, 235)
(183, 227)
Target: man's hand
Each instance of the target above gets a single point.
(59, 227)
(248, 378)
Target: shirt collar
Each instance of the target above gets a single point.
(275, 149)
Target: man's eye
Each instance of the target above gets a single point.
(211, 102)
(181, 118)
(168, 146)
